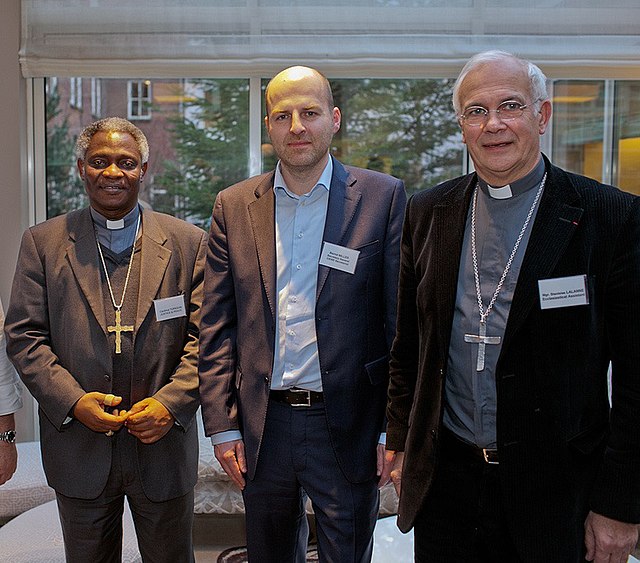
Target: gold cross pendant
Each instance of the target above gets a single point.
(119, 329)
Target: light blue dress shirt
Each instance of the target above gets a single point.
(299, 231)
(300, 224)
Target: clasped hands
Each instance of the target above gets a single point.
(148, 420)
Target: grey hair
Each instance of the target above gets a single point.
(537, 79)
(111, 124)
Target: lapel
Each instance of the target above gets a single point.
(84, 261)
(155, 258)
(449, 219)
(262, 215)
(556, 221)
(344, 199)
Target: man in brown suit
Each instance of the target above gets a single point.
(103, 329)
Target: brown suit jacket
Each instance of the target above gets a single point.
(56, 337)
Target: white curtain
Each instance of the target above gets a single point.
(412, 38)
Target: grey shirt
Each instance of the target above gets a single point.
(470, 395)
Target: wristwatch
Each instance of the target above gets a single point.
(8, 436)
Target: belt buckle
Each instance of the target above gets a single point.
(490, 456)
(304, 393)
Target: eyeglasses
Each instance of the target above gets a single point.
(474, 116)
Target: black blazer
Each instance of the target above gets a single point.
(563, 450)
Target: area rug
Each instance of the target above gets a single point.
(239, 555)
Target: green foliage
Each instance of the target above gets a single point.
(403, 127)
(65, 191)
(211, 142)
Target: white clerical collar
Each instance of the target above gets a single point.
(114, 225)
(500, 193)
(517, 187)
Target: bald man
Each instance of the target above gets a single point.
(299, 315)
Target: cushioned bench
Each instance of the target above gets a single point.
(28, 487)
(35, 536)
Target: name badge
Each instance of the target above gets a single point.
(170, 308)
(563, 292)
(339, 257)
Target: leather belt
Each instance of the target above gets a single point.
(296, 397)
(457, 448)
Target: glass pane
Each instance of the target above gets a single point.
(198, 133)
(626, 144)
(403, 127)
(578, 121)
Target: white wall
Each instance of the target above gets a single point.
(13, 169)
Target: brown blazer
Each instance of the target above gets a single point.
(56, 338)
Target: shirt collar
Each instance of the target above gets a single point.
(324, 180)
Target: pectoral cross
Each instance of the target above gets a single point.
(481, 339)
(119, 329)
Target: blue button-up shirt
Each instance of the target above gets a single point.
(300, 224)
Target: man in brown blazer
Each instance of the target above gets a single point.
(103, 329)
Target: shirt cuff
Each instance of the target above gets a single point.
(227, 436)
(383, 438)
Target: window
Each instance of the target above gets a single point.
(96, 97)
(626, 136)
(139, 104)
(197, 132)
(578, 126)
(403, 127)
(75, 93)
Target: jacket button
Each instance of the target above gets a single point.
(107, 377)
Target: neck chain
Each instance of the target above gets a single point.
(481, 338)
(476, 274)
(118, 328)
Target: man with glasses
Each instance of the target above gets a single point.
(519, 284)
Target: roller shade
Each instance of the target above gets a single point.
(413, 38)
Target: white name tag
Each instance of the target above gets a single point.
(339, 257)
(170, 308)
(563, 292)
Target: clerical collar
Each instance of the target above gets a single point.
(528, 182)
(119, 238)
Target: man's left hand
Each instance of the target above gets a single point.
(149, 420)
(607, 540)
(383, 466)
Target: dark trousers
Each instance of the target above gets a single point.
(463, 520)
(92, 529)
(296, 457)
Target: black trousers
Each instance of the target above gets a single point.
(463, 519)
(297, 460)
